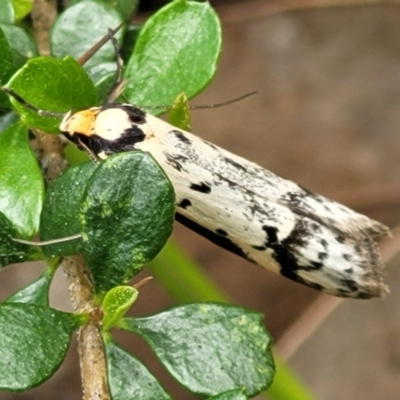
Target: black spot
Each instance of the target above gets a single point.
(271, 232)
(340, 239)
(347, 257)
(221, 232)
(314, 265)
(184, 203)
(182, 137)
(203, 187)
(324, 243)
(260, 248)
(221, 241)
(322, 256)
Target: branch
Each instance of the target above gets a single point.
(51, 155)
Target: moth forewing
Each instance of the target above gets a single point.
(269, 220)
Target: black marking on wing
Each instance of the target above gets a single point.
(180, 136)
(234, 164)
(97, 144)
(284, 254)
(202, 187)
(282, 250)
(176, 161)
(222, 241)
(136, 116)
(184, 203)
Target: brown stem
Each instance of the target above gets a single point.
(90, 345)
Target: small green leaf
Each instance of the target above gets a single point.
(116, 303)
(176, 51)
(37, 292)
(21, 182)
(22, 8)
(127, 377)
(179, 115)
(12, 252)
(33, 343)
(236, 394)
(6, 12)
(51, 85)
(72, 35)
(210, 348)
(127, 216)
(60, 214)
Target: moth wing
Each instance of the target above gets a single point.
(267, 219)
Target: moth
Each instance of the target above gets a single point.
(243, 207)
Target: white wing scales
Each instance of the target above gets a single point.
(268, 220)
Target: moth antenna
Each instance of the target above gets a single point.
(225, 103)
(202, 107)
(29, 106)
(47, 242)
(97, 46)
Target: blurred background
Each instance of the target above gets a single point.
(327, 115)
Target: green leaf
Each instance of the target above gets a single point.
(127, 216)
(210, 348)
(34, 293)
(236, 394)
(33, 343)
(21, 44)
(128, 44)
(6, 57)
(22, 8)
(128, 378)
(12, 252)
(37, 292)
(60, 214)
(22, 47)
(176, 51)
(21, 183)
(116, 303)
(179, 115)
(125, 7)
(51, 85)
(6, 12)
(72, 35)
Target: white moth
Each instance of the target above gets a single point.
(242, 207)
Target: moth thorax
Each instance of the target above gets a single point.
(81, 122)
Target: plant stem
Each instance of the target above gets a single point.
(90, 345)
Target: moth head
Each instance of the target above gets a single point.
(80, 123)
(101, 131)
